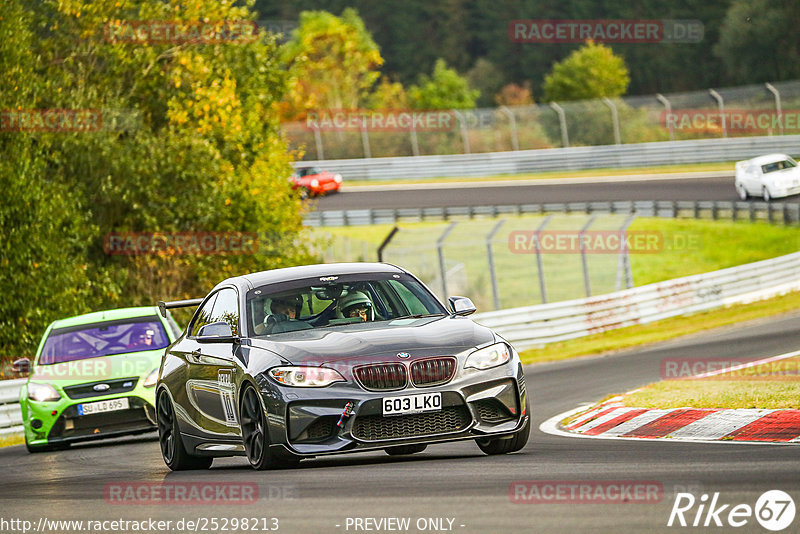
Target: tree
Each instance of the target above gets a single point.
(592, 71)
(333, 63)
(200, 150)
(444, 89)
(758, 41)
(514, 95)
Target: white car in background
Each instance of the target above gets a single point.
(771, 176)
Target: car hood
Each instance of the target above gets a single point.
(424, 337)
(783, 175)
(126, 365)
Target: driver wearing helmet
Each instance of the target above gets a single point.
(141, 338)
(285, 312)
(357, 304)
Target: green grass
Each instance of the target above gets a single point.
(639, 335)
(758, 387)
(697, 167)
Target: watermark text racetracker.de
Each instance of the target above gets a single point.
(606, 31)
(179, 243)
(387, 120)
(599, 242)
(726, 368)
(585, 491)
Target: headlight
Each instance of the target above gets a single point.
(337, 178)
(314, 183)
(42, 392)
(489, 357)
(305, 377)
(151, 379)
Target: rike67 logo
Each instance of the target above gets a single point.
(774, 510)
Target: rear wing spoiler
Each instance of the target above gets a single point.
(164, 306)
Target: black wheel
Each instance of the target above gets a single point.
(405, 449)
(304, 194)
(254, 430)
(169, 438)
(740, 189)
(766, 195)
(510, 444)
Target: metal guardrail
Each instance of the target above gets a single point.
(559, 159)
(774, 212)
(10, 415)
(533, 326)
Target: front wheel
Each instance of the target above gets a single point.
(510, 444)
(169, 438)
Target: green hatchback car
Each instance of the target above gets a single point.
(94, 377)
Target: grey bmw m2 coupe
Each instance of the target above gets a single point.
(308, 361)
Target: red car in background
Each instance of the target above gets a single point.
(313, 182)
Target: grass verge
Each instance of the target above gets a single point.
(636, 336)
(697, 167)
(769, 386)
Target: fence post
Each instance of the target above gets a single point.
(414, 140)
(539, 263)
(492, 271)
(624, 263)
(586, 283)
(463, 124)
(318, 141)
(771, 89)
(512, 123)
(614, 119)
(668, 108)
(365, 139)
(386, 241)
(562, 122)
(440, 252)
(721, 105)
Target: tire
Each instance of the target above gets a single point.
(169, 439)
(766, 195)
(402, 450)
(254, 430)
(742, 191)
(504, 446)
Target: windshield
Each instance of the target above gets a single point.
(274, 310)
(102, 339)
(779, 165)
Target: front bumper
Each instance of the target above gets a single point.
(475, 404)
(49, 423)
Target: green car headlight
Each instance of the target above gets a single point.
(151, 379)
(305, 377)
(489, 357)
(42, 392)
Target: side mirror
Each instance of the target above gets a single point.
(23, 365)
(218, 332)
(461, 305)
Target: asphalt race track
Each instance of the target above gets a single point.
(714, 188)
(450, 481)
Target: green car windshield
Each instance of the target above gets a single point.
(102, 339)
(276, 310)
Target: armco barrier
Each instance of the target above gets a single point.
(559, 159)
(538, 325)
(774, 212)
(10, 416)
